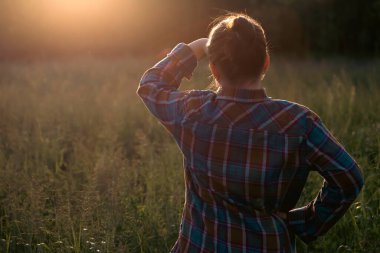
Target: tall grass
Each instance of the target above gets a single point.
(85, 168)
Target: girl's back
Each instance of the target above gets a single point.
(247, 158)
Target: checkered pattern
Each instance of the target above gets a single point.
(247, 158)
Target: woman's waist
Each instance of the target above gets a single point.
(219, 206)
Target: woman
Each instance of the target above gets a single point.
(246, 156)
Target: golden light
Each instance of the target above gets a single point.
(71, 24)
(77, 21)
(77, 11)
(76, 8)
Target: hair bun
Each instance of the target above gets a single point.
(240, 24)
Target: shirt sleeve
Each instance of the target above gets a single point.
(343, 181)
(159, 86)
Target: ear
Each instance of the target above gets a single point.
(215, 72)
(266, 64)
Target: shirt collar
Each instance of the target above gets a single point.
(242, 95)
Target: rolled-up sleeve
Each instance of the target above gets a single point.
(343, 181)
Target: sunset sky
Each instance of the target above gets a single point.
(74, 24)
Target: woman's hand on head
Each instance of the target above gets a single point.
(199, 47)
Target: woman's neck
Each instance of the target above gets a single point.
(247, 85)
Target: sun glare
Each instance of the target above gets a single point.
(71, 18)
(76, 8)
(64, 25)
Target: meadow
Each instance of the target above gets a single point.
(85, 168)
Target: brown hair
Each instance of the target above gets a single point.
(238, 47)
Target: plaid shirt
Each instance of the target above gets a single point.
(246, 159)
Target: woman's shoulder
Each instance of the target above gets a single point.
(293, 116)
(295, 106)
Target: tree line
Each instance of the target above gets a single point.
(294, 27)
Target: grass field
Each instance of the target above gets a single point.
(85, 168)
